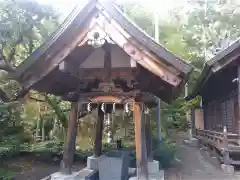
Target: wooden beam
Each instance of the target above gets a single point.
(107, 62)
(106, 99)
(53, 60)
(99, 132)
(69, 147)
(122, 40)
(238, 103)
(140, 142)
(218, 66)
(93, 73)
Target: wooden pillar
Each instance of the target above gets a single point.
(69, 147)
(238, 122)
(148, 136)
(159, 120)
(99, 132)
(226, 158)
(193, 128)
(140, 142)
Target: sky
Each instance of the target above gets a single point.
(164, 6)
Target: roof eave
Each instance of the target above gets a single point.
(145, 39)
(206, 73)
(26, 64)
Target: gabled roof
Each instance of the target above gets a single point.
(215, 65)
(126, 23)
(78, 21)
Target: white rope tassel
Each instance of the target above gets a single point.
(103, 107)
(114, 108)
(146, 110)
(126, 107)
(89, 107)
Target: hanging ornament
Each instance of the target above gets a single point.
(126, 108)
(114, 108)
(146, 110)
(103, 107)
(89, 107)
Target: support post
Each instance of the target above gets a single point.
(140, 142)
(193, 128)
(238, 124)
(159, 122)
(226, 158)
(69, 147)
(98, 135)
(148, 137)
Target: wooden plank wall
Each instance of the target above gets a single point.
(220, 113)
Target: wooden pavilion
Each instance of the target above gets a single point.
(217, 121)
(99, 56)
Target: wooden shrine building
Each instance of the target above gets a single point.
(99, 56)
(217, 121)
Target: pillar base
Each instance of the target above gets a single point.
(80, 175)
(92, 162)
(61, 176)
(153, 167)
(227, 168)
(155, 176)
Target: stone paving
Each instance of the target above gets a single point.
(192, 164)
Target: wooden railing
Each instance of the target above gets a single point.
(218, 139)
(226, 143)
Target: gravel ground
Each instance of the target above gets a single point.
(29, 169)
(191, 164)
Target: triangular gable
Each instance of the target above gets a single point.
(215, 65)
(137, 44)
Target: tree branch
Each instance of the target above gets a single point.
(36, 99)
(6, 65)
(13, 51)
(3, 95)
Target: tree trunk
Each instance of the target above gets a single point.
(65, 131)
(38, 130)
(113, 129)
(43, 131)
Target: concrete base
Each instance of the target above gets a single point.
(192, 142)
(92, 162)
(155, 176)
(227, 168)
(153, 167)
(61, 176)
(81, 175)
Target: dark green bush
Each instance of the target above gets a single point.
(47, 151)
(81, 155)
(164, 152)
(7, 152)
(6, 174)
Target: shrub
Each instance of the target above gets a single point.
(164, 152)
(81, 155)
(6, 174)
(7, 152)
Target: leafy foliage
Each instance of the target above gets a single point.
(6, 174)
